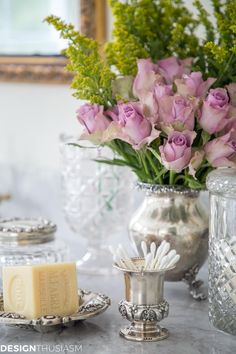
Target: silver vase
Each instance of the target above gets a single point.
(177, 215)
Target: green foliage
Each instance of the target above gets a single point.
(221, 50)
(93, 77)
(161, 28)
(146, 164)
(150, 28)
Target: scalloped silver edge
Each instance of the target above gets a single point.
(92, 305)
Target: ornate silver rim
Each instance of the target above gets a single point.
(26, 230)
(92, 304)
(161, 189)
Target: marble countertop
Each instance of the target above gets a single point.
(190, 332)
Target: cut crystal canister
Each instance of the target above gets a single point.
(222, 249)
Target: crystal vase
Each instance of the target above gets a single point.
(222, 253)
(96, 198)
(177, 215)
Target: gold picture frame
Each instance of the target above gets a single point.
(51, 69)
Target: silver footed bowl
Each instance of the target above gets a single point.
(91, 304)
(177, 215)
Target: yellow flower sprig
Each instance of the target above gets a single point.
(93, 77)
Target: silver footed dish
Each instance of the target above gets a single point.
(91, 305)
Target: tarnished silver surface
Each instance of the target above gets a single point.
(91, 304)
(144, 312)
(144, 305)
(144, 332)
(194, 284)
(177, 216)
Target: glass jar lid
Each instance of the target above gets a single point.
(25, 231)
(222, 180)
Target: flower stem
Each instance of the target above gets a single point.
(143, 160)
(171, 177)
(152, 163)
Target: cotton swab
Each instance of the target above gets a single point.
(118, 261)
(163, 252)
(144, 248)
(159, 258)
(159, 249)
(171, 254)
(118, 258)
(169, 261)
(153, 249)
(127, 262)
(162, 263)
(125, 254)
(148, 260)
(125, 258)
(173, 261)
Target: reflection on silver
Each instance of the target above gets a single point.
(91, 304)
(144, 305)
(177, 216)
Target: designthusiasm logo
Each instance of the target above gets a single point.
(40, 348)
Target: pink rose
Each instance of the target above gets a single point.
(130, 124)
(92, 117)
(231, 88)
(144, 84)
(150, 100)
(173, 109)
(220, 152)
(133, 122)
(145, 78)
(161, 90)
(176, 151)
(212, 117)
(196, 161)
(193, 84)
(231, 127)
(172, 68)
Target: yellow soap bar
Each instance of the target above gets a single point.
(39, 290)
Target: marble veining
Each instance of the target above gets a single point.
(190, 332)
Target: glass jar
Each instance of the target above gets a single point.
(29, 241)
(222, 253)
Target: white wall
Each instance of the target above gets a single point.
(31, 118)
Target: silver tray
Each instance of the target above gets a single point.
(91, 304)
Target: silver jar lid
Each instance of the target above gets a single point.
(222, 181)
(25, 231)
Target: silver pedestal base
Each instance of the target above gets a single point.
(194, 284)
(144, 332)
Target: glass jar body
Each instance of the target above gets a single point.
(222, 263)
(222, 249)
(48, 252)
